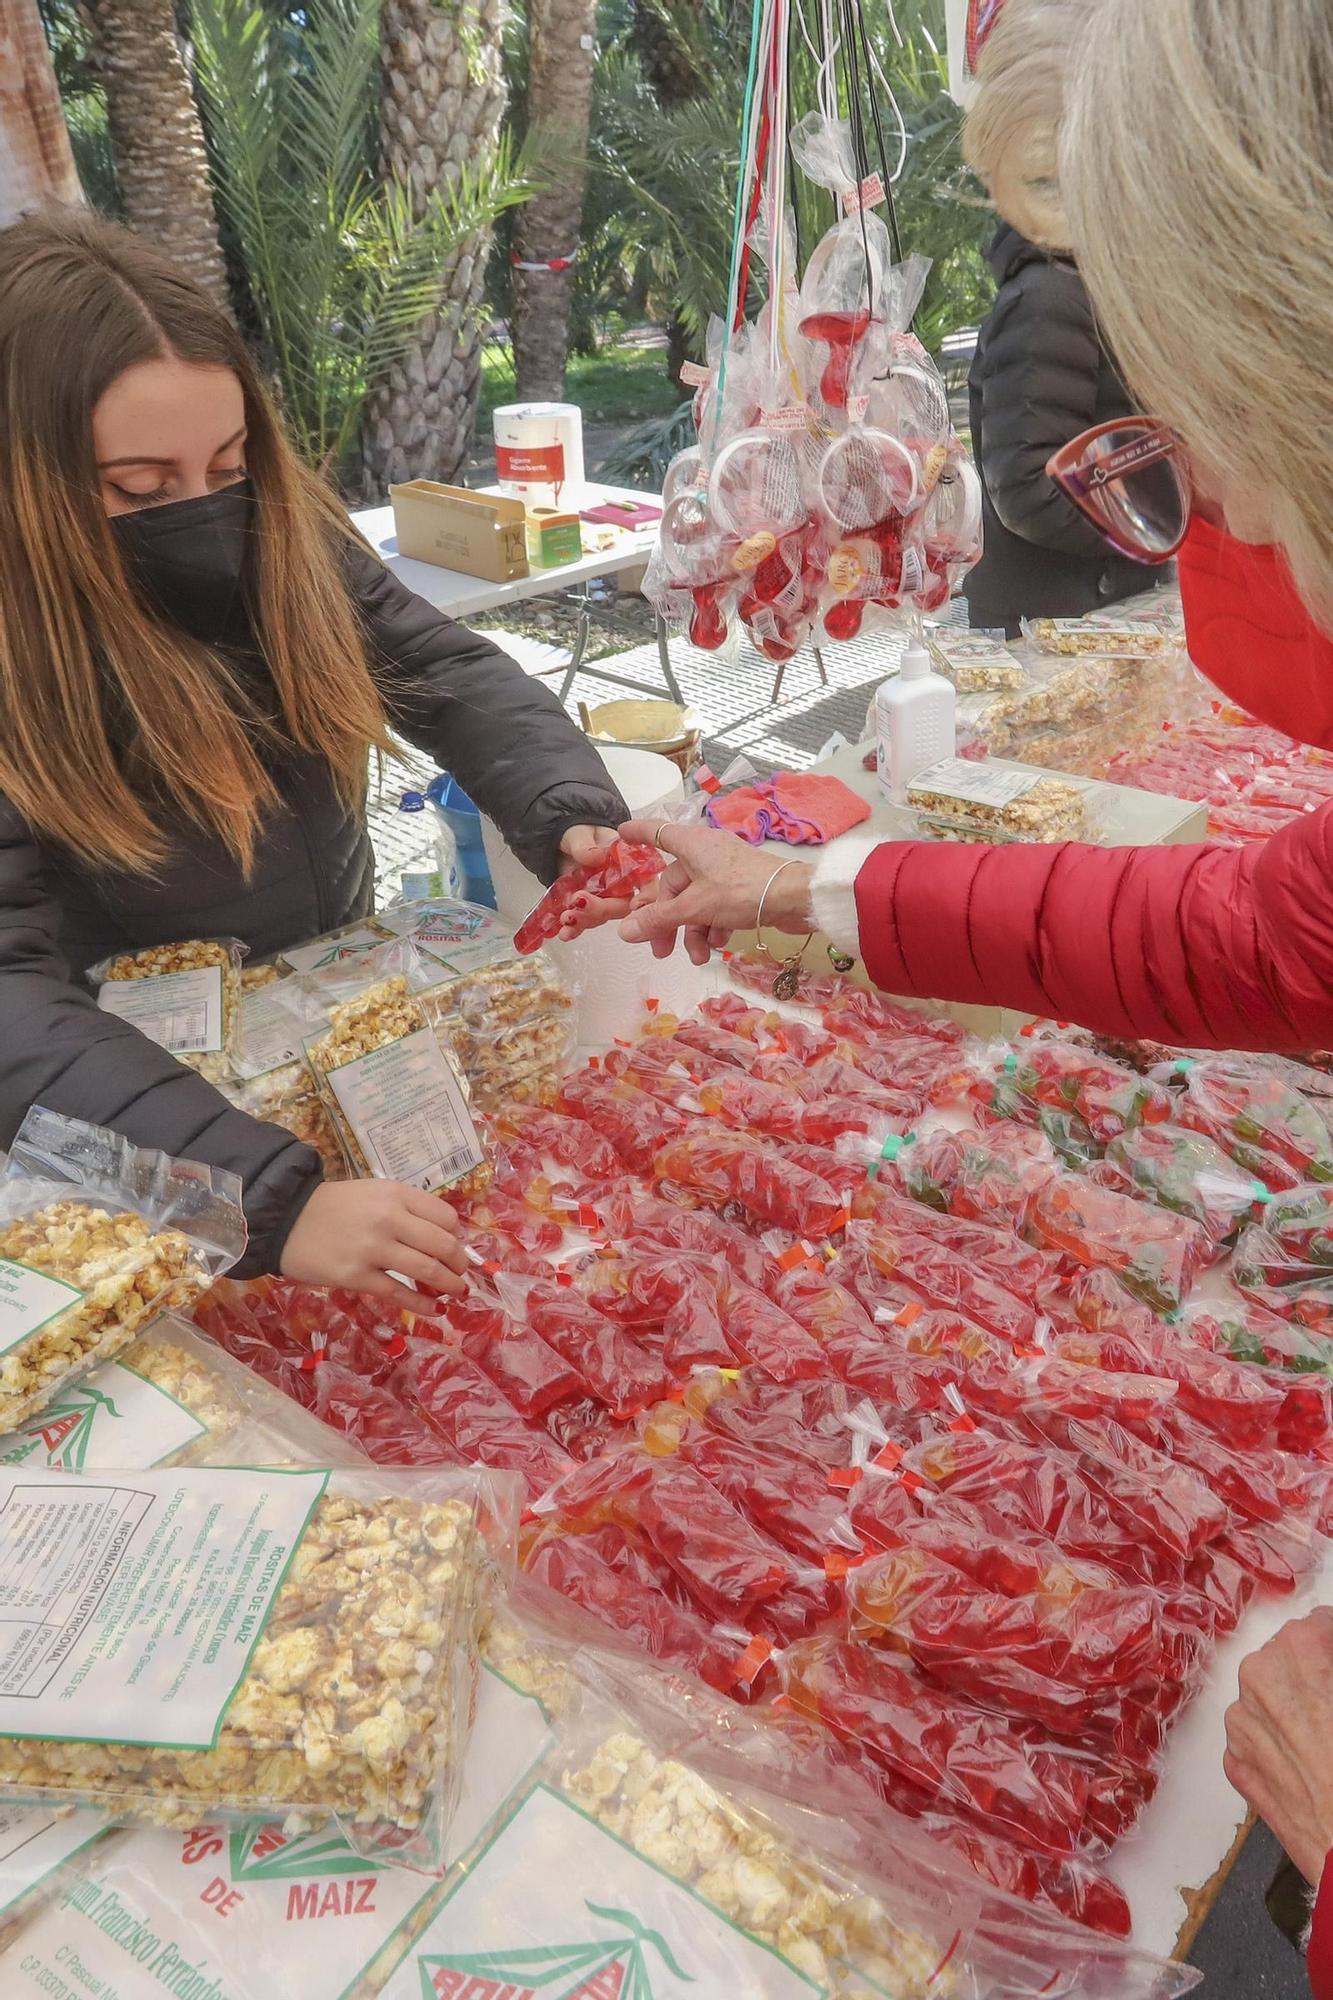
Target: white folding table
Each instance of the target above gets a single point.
(462, 596)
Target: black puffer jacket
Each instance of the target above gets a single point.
(1040, 376)
(452, 694)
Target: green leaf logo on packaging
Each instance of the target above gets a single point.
(63, 1431)
(261, 1852)
(614, 1968)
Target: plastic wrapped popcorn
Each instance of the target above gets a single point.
(96, 1239)
(319, 1667)
(185, 997)
(962, 800)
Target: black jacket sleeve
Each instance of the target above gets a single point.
(1038, 390)
(59, 1049)
(503, 736)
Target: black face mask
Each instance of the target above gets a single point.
(190, 561)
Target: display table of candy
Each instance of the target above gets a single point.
(959, 1411)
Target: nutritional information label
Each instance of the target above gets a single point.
(58, 1555)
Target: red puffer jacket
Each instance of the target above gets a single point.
(1201, 946)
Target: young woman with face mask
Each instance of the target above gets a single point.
(196, 656)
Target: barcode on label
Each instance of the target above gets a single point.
(185, 1030)
(460, 1162)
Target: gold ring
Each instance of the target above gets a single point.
(657, 837)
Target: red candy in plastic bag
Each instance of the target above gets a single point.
(617, 871)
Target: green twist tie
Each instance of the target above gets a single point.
(1261, 1193)
(1183, 1065)
(889, 1151)
(1010, 1064)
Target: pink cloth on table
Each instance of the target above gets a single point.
(796, 806)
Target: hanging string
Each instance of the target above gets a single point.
(888, 178)
(859, 154)
(742, 183)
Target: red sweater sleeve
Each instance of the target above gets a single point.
(1197, 946)
(1319, 1958)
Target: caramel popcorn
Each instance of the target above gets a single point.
(127, 1271)
(846, 1944)
(507, 1647)
(202, 1389)
(1048, 810)
(510, 1026)
(195, 956)
(1103, 632)
(384, 1013)
(355, 1704)
(253, 977)
(290, 1097)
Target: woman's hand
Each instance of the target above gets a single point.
(1280, 1738)
(368, 1236)
(711, 888)
(579, 845)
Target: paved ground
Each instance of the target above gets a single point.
(1239, 1951)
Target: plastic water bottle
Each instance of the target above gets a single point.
(461, 820)
(914, 723)
(435, 871)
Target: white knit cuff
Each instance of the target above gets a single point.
(833, 891)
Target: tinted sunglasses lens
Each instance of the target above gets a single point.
(1139, 487)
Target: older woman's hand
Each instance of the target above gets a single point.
(1279, 1752)
(711, 888)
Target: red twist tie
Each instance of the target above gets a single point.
(747, 1664)
(843, 1477)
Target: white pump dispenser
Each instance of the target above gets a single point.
(914, 722)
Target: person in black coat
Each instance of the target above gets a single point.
(197, 653)
(1040, 376)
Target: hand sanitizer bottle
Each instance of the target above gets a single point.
(914, 722)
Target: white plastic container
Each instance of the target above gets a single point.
(539, 453)
(914, 722)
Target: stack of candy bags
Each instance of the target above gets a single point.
(1253, 779)
(940, 1403)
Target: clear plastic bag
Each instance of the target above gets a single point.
(391, 1082)
(96, 1239)
(185, 997)
(329, 1668)
(1256, 1116)
(964, 800)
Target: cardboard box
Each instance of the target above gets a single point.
(481, 534)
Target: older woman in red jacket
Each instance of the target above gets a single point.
(1185, 145)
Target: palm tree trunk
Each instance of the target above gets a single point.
(156, 135)
(562, 51)
(441, 101)
(36, 164)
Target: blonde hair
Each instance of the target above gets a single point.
(113, 725)
(1196, 165)
(1011, 136)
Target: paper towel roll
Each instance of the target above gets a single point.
(539, 453)
(612, 979)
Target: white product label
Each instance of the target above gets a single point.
(29, 1300)
(977, 784)
(128, 1612)
(408, 1112)
(271, 1032)
(332, 951)
(460, 935)
(113, 1417)
(971, 651)
(694, 375)
(180, 1011)
(556, 1905)
(35, 1842)
(788, 418)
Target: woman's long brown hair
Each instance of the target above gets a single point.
(81, 301)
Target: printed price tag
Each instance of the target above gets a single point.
(180, 1011)
(869, 195)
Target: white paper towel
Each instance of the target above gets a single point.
(539, 453)
(612, 979)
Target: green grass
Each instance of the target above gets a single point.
(620, 385)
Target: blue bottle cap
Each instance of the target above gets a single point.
(411, 802)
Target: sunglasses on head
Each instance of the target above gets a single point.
(1129, 477)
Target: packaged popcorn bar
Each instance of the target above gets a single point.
(962, 800)
(394, 1091)
(96, 1239)
(289, 1643)
(1130, 628)
(185, 997)
(975, 662)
